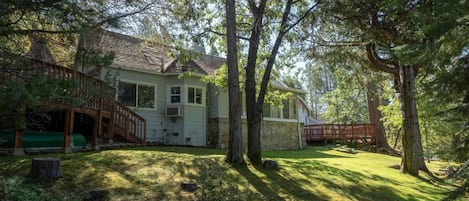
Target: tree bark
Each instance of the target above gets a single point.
(252, 113)
(253, 106)
(254, 142)
(374, 115)
(412, 156)
(46, 168)
(235, 144)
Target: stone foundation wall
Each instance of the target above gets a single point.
(275, 135)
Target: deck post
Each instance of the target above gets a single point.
(19, 128)
(144, 132)
(68, 130)
(366, 131)
(96, 131)
(111, 125)
(126, 127)
(18, 148)
(323, 135)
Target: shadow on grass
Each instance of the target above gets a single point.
(350, 183)
(280, 181)
(308, 153)
(198, 151)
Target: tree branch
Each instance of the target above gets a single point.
(224, 34)
(301, 18)
(379, 63)
(273, 54)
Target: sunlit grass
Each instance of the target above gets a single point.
(155, 173)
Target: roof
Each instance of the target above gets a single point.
(282, 86)
(135, 53)
(303, 102)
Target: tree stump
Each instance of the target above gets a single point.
(98, 194)
(46, 168)
(189, 186)
(270, 165)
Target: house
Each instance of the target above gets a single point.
(179, 108)
(304, 111)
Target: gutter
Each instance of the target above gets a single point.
(298, 121)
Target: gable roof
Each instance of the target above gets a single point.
(138, 54)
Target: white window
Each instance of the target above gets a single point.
(287, 111)
(175, 94)
(136, 94)
(195, 95)
(275, 111)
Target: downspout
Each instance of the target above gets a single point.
(298, 121)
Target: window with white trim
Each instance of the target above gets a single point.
(286, 111)
(194, 95)
(136, 94)
(175, 94)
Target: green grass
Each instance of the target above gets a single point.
(155, 173)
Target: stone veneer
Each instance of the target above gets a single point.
(275, 135)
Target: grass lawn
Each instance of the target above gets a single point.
(155, 173)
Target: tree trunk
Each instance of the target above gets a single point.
(235, 144)
(46, 168)
(397, 137)
(254, 153)
(412, 157)
(254, 142)
(374, 115)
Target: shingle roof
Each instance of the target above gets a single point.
(135, 53)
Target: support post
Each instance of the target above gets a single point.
(111, 122)
(126, 127)
(144, 131)
(68, 130)
(19, 127)
(96, 131)
(18, 148)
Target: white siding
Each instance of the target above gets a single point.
(222, 104)
(195, 116)
(155, 118)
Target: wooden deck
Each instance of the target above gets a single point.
(340, 132)
(87, 95)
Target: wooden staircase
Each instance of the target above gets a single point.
(91, 96)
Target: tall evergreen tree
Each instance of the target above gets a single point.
(400, 38)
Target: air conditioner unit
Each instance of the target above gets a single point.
(173, 111)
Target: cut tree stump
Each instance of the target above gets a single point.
(46, 168)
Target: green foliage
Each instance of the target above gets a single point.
(444, 100)
(16, 95)
(337, 83)
(58, 23)
(429, 34)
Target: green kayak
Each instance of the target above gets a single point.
(40, 139)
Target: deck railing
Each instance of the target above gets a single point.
(83, 91)
(342, 132)
(132, 125)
